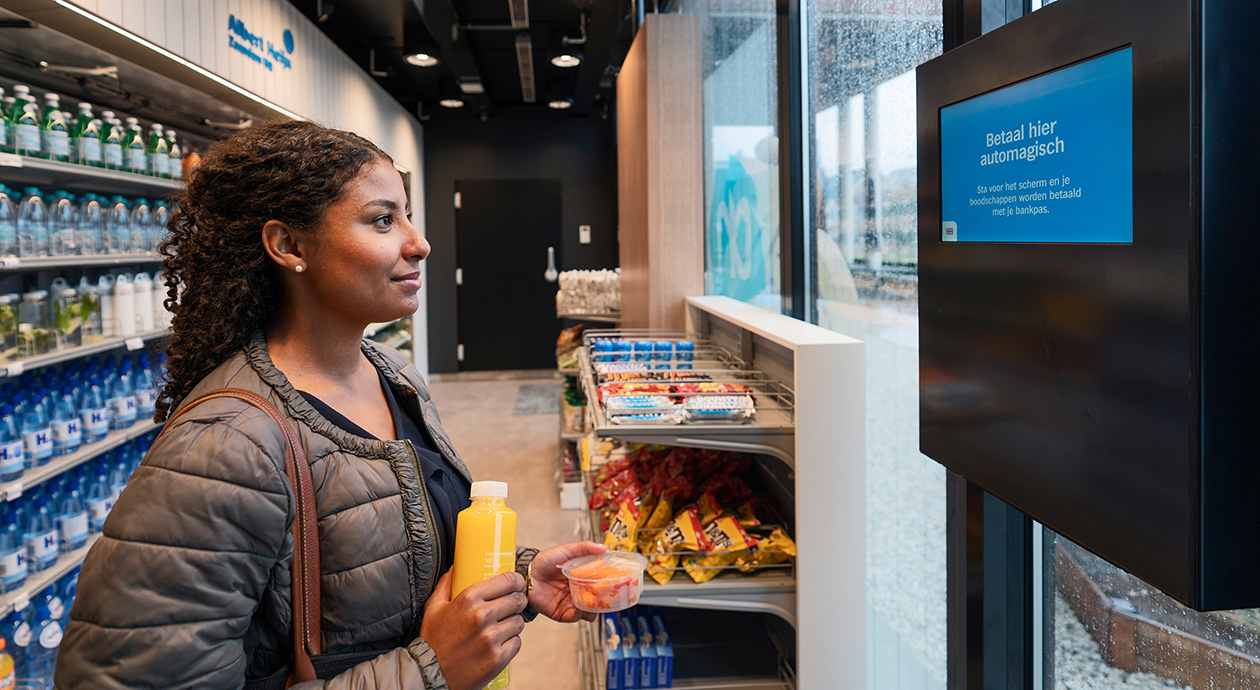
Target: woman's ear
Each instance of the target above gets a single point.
(282, 245)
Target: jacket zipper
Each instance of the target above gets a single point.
(428, 515)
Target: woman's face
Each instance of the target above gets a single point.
(363, 263)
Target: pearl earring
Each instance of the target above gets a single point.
(299, 268)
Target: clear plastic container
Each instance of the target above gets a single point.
(33, 324)
(67, 320)
(9, 328)
(608, 582)
(717, 409)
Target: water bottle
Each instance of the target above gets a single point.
(100, 499)
(17, 631)
(13, 566)
(63, 225)
(69, 589)
(51, 598)
(105, 293)
(41, 656)
(37, 446)
(41, 536)
(91, 236)
(54, 131)
(119, 475)
(157, 151)
(142, 288)
(93, 413)
(67, 431)
(121, 401)
(24, 122)
(161, 216)
(134, 155)
(85, 138)
(124, 305)
(141, 225)
(12, 459)
(8, 223)
(175, 160)
(118, 226)
(4, 123)
(32, 226)
(111, 141)
(72, 518)
(161, 317)
(146, 391)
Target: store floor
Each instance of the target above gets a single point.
(521, 450)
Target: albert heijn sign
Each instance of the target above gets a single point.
(259, 49)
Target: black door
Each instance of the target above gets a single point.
(507, 308)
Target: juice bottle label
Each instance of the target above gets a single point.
(8, 680)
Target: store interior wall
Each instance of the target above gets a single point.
(522, 142)
(321, 84)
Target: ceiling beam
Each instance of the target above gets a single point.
(439, 16)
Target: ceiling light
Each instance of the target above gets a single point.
(451, 103)
(560, 103)
(471, 86)
(422, 59)
(566, 60)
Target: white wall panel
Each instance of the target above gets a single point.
(323, 85)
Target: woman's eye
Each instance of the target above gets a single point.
(384, 222)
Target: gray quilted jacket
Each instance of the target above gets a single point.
(189, 586)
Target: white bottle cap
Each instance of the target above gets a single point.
(85, 107)
(21, 90)
(489, 490)
(52, 98)
(107, 114)
(132, 122)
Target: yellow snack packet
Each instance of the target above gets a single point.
(723, 535)
(747, 515)
(659, 518)
(710, 509)
(623, 531)
(777, 547)
(683, 534)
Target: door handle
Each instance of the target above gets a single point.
(551, 275)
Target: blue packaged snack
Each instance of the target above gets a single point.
(622, 350)
(602, 350)
(664, 649)
(663, 354)
(630, 652)
(643, 350)
(611, 631)
(684, 353)
(647, 648)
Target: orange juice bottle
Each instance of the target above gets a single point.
(485, 544)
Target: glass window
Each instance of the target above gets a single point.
(863, 242)
(741, 161)
(1112, 630)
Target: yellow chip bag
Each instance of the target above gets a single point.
(777, 547)
(659, 518)
(683, 534)
(724, 535)
(623, 531)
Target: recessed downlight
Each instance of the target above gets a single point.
(422, 59)
(566, 60)
(560, 103)
(451, 103)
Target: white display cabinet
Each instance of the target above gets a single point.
(808, 436)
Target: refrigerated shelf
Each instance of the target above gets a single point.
(37, 581)
(17, 263)
(132, 343)
(33, 172)
(88, 451)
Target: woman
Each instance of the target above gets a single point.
(289, 240)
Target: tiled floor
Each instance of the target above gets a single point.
(520, 450)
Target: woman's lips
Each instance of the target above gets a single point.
(411, 280)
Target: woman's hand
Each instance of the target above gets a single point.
(549, 594)
(477, 633)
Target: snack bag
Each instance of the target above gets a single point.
(659, 518)
(608, 492)
(623, 531)
(683, 534)
(775, 548)
(746, 514)
(709, 507)
(724, 535)
(632, 493)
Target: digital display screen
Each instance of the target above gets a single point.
(1045, 160)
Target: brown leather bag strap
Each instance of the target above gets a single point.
(307, 639)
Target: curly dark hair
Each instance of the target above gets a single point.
(220, 284)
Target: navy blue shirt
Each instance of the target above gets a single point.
(448, 491)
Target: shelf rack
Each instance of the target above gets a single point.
(612, 317)
(38, 475)
(38, 172)
(37, 581)
(131, 342)
(16, 263)
(815, 428)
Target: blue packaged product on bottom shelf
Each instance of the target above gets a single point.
(610, 630)
(647, 647)
(664, 649)
(630, 650)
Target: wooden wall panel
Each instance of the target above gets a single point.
(661, 173)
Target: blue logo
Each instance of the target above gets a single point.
(288, 41)
(258, 49)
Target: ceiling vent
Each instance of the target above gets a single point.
(525, 61)
(520, 13)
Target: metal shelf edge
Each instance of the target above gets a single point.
(12, 160)
(31, 363)
(38, 475)
(35, 582)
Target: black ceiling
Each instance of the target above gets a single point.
(475, 40)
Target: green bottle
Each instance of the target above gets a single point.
(54, 134)
(85, 138)
(111, 141)
(157, 151)
(24, 122)
(175, 157)
(134, 154)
